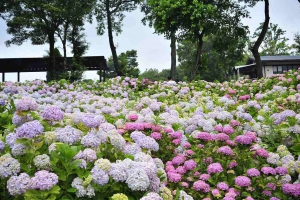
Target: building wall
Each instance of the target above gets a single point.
(269, 71)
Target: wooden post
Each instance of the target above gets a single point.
(3, 76)
(103, 75)
(18, 76)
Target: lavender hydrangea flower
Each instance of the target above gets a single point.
(68, 135)
(53, 113)
(132, 149)
(91, 120)
(17, 185)
(30, 129)
(138, 180)
(118, 172)
(8, 166)
(26, 104)
(43, 180)
(100, 177)
(2, 145)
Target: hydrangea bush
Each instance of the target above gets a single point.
(136, 139)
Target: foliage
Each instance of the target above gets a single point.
(297, 43)
(110, 13)
(275, 42)
(128, 65)
(219, 57)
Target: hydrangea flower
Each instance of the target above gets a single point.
(53, 113)
(43, 180)
(8, 166)
(214, 168)
(42, 161)
(138, 180)
(242, 181)
(30, 129)
(18, 185)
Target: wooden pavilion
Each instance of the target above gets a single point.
(19, 65)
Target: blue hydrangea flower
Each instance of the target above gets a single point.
(30, 129)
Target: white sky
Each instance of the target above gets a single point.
(153, 50)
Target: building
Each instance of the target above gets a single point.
(270, 65)
(42, 65)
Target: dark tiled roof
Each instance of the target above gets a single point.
(41, 64)
(273, 58)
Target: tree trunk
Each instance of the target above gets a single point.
(260, 39)
(111, 41)
(64, 42)
(173, 55)
(52, 75)
(199, 56)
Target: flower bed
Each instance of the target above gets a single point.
(131, 139)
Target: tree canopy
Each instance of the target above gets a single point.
(275, 42)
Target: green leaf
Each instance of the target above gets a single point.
(72, 190)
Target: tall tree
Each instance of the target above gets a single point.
(197, 19)
(128, 65)
(74, 15)
(297, 42)
(255, 48)
(110, 13)
(79, 47)
(34, 20)
(163, 24)
(219, 56)
(274, 43)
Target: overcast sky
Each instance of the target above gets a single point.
(153, 50)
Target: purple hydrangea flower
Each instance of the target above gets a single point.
(100, 177)
(253, 172)
(242, 181)
(26, 104)
(201, 186)
(30, 129)
(268, 170)
(17, 185)
(222, 186)
(214, 168)
(43, 180)
(174, 177)
(281, 171)
(226, 150)
(243, 139)
(190, 164)
(8, 166)
(91, 120)
(68, 135)
(91, 140)
(53, 113)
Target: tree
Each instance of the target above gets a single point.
(74, 15)
(297, 43)
(34, 20)
(274, 43)
(197, 19)
(111, 13)
(219, 57)
(79, 47)
(255, 48)
(128, 65)
(163, 24)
